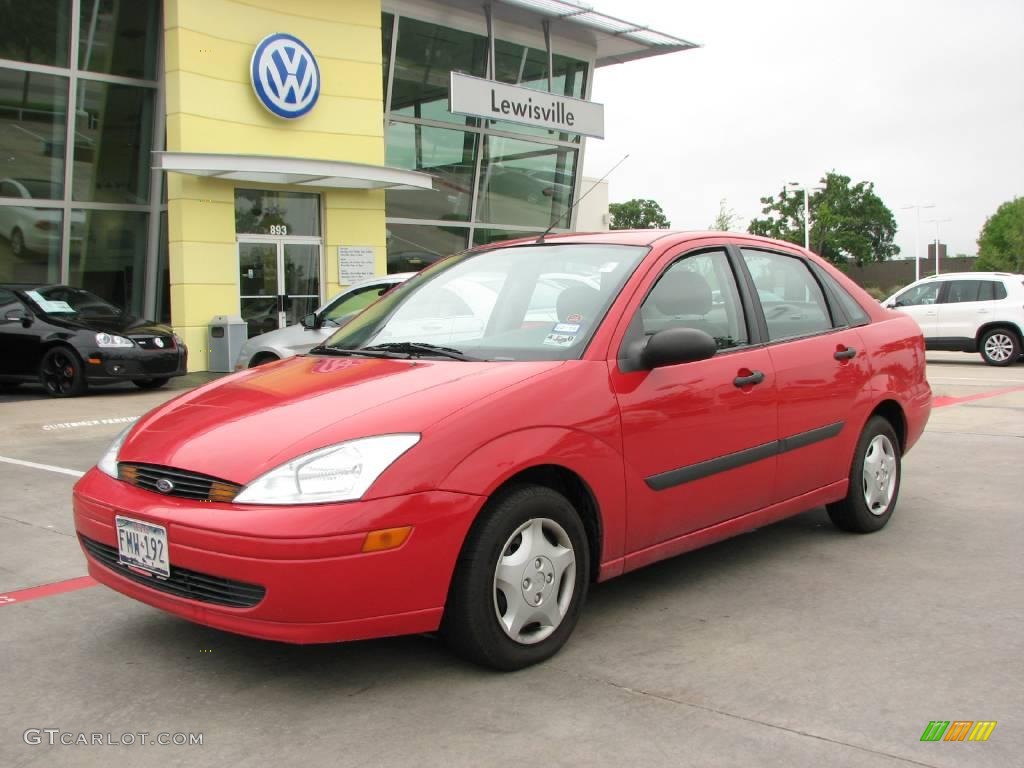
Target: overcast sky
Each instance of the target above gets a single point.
(925, 99)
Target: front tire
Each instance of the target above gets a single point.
(61, 373)
(874, 480)
(520, 581)
(999, 347)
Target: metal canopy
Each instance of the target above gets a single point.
(267, 169)
(617, 41)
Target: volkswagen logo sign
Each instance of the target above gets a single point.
(164, 485)
(285, 76)
(159, 342)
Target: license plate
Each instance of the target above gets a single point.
(142, 545)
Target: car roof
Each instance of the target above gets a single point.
(641, 237)
(967, 275)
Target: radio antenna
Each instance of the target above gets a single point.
(579, 200)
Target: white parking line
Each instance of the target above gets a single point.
(946, 380)
(47, 467)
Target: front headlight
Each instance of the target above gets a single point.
(339, 472)
(108, 464)
(109, 340)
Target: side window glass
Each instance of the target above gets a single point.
(927, 293)
(700, 292)
(355, 302)
(854, 311)
(1000, 291)
(8, 301)
(791, 298)
(962, 290)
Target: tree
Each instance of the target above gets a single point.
(727, 219)
(1001, 242)
(848, 222)
(638, 214)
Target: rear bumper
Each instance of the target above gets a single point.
(320, 587)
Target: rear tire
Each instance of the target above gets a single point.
(154, 383)
(999, 347)
(520, 580)
(874, 480)
(61, 373)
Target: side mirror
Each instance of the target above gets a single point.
(311, 322)
(18, 316)
(671, 346)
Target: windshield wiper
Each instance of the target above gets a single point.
(418, 349)
(340, 351)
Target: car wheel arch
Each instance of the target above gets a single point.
(995, 324)
(891, 411)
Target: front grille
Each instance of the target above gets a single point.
(182, 582)
(150, 342)
(184, 484)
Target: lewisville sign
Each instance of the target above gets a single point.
(492, 100)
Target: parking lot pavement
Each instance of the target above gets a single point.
(793, 645)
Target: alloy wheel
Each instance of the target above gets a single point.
(998, 347)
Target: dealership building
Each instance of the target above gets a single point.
(193, 158)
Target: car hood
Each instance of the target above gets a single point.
(125, 325)
(241, 426)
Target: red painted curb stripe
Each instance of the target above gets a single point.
(943, 401)
(46, 590)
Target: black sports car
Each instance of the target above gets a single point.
(67, 338)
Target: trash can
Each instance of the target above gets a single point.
(227, 335)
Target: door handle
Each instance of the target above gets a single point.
(755, 377)
(847, 353)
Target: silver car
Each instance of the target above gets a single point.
(317, 327)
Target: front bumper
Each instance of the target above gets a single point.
(108, 365)
(319, 585)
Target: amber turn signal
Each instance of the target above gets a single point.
(386, 538)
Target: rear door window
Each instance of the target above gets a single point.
(791, 298)
(959, 291)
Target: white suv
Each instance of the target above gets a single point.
(979, 312)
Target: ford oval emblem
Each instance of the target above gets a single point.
(285, 75)
(164, 485)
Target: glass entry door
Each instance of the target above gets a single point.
(278, 280)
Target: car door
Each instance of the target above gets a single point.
(20, 349)
(821, 371)
(697, 436)
(960, 312)
(919, 301)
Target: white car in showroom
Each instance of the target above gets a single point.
(979, 312)
(35, 229)
(317, 327)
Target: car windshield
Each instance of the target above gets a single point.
(74, 302)
(526, 302)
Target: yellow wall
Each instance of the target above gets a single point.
(211, 107)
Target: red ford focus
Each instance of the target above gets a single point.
(512, 424)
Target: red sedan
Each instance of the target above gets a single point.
(510, 425)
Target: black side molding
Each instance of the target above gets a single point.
(688, 474)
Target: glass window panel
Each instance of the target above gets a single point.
(411, 247)
(425, 56)
(448, 155)
(525, 183)
(30, 244)
(36, 31)
(962, 290)
(387, 28)
(485, 236)
(33, 120)
(528, 67)
(113, 138)
(109, 256)
(118, 37)
(273, 212)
